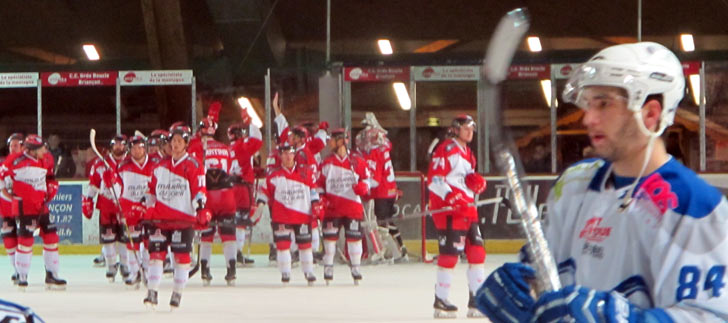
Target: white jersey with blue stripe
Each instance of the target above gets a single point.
(667, 249)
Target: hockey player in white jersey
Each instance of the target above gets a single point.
(637, 236)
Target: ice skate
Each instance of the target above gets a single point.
(443, 309)
(356, 274)
(53, 282)
(328, 274)
(14, 278)
(205, 273)
(124, 270)
(22, 282)
(133, 282)
(151, 299)
(168, 270)
(175, 300)
(403, 258)
(230, 276)
(473, 311)
(111, 273)
(100, 261)
(310, 277)
(243, 261)
(272, 258)
(285, 278)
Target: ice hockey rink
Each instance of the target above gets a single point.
(388, 293)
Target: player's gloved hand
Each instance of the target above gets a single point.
(323, 125)
(317, 210)
(245, 117)
(456, 200)
(475, 183)
(51, 189)
(505, 294)
(87, 207)
(361, 188)
(581, 304)
(203, 218)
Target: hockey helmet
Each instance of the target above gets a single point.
(463, 120)
(174, 125)
(118, 139)
(15, 136)
(208, 126)
(300, 131)
(641, 69)
(137, 140)
(158, 137)
(181, 130)
(286, 147)
(33, 142)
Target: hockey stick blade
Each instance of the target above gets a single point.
(503, 44)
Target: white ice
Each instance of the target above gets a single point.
(388, 293)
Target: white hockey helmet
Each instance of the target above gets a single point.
(642, 69)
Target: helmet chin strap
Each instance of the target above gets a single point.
(648, 152)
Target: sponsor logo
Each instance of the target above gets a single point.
(55, 78)
(356, 73)
(593, 231)
(427, 72)
(129, 77)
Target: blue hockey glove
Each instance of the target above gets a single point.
(505, 295)
(581, 304)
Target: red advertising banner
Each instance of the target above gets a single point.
(529, 72)
(690, 68)
(102, 78)
(376, 74)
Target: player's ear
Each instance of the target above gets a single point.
(651, 112)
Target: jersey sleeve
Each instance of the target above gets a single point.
(196, 178)
(282, 125)
(94, 181)
(318, 141)
(254, 141)
(437, 171)
(265, 190)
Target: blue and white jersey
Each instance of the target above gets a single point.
(668, 249)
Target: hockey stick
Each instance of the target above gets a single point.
(120, 216)
(501, 49)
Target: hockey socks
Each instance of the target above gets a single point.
(329, 252)
(283, 257)
(355, 251)
(306, 260)
(476, 277)
(50, 258)
(229, 250)
(23, 257)
(205, 251)
(154, 276)
(181, 276)
(123, 254)
(444, 279)
(315, 239)
(109, 251)
(239, 238)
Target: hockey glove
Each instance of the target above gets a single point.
(203, 218)
(475, 183)
(51, 189)
(317, 210)
(505, 294)
(456, 200)
(323, 125)
(87, 207)
(361, 188)
(581, 304)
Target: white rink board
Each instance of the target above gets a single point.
(388, 293)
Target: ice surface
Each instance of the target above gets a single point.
(388, 293)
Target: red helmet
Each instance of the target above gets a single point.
(300, 131)
(178, 123)
(208, 126)
(181, 130)
(15, 136)
(137, 140)
(158, 137)
(463, 120)
(283, 147)
(33, 142)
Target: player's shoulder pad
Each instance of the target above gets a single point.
(696, 198)
(585, 171)
(194, 161)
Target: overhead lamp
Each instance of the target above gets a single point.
(385, 47)
(534, 44)
(245, 104)
(91, 52)
(402, 96)
(688, 45)
(695, 87)
(546, 89)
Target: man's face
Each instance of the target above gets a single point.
(15, 146)
(466, 133)
(53, 141)
(611, 127)
(295, 140)
(178, 145)
(153, 149)
(40, 152)
(137, 151)
(288, 158)
(118, 149)
(167, 148)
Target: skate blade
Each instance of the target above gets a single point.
(55, 287)
(230, 283)
(132, 286)
(111, 280)
(22, 288)
(173, 308)
(311, 283)
(356, 282)
(206, 282)
(474, 313)
(440, 314)
(151, 307)
(328, 282)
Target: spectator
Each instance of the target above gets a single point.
(65, 166)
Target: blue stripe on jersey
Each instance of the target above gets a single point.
(696, 198)
(632, 285)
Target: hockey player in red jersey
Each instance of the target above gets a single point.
(453, 183)
(245, 141)
(219, 169)
(176, 204)
(111, 233)
(157, 145)
(290, 192)
(9, 225)
(135, 173)
(30, 182)
(344, 179)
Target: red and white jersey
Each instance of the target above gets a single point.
(96, 187)
(26, 177)
(177, 186)
(243, 151)
(383, 185)
(448, 168)
(134, 180)
(5, 200)
(315, 143)
(289, 193)
(338, 175)
(156, 157)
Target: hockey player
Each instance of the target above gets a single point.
(637, 236)
(375, 148)
(111, 233)
(30, 182)
(135, 173)
(344, 179)
(245, 141)
(9, 225)
(156, 144)
(290, 191)
(219, 170)
(176, 190)
(453, 182)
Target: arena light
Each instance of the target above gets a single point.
(245, 104)
(91, 52)
(546, 89)
(534, 44)
(402, 96)
(687, 42)
(695, 87)
(385, 47)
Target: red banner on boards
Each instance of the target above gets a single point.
(377, 74)
(103, 78)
